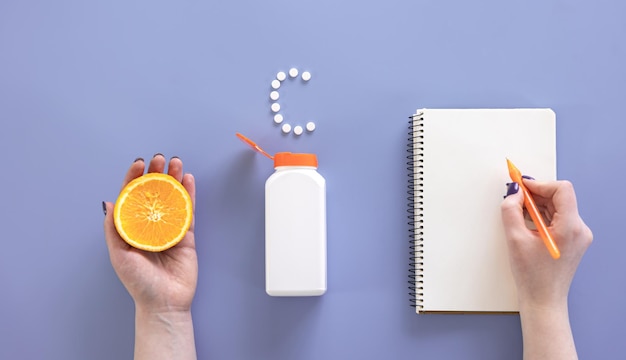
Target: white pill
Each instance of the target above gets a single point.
(274, 95)
(281, 76)
(306, 76)
(278, 118)
(275, 84)
(286, 128)
(297, 130)
(293, 72)
(310, 126)
(275, 107)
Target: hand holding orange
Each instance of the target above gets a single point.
(152, 212)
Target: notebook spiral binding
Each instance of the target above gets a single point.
(415, 167)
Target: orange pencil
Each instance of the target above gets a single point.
(530, 205)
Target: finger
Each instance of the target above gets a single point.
(512, 211)
(542, 190)
(157, 164)
(175, 168)
(189, 183)
(135, 171)
(559, 194)
(114, 242)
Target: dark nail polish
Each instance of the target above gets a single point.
(528, 177)
(512, 188)
(138, 159)
(104, 208)
(157, 154)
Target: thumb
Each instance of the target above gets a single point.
(113, 239)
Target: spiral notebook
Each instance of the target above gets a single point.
(457, 169)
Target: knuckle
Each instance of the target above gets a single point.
(566, 185)
(582, 232)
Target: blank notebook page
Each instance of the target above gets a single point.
(465, 262)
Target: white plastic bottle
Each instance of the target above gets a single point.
(295, 227)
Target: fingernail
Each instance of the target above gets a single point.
(138, 159)
(157, 154)
(104, 208)
(511, 189)
(174, 157)
(528, 177)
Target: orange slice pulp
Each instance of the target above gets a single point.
(153, 212)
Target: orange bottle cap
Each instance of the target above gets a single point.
(294, 159)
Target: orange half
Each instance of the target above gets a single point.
(153, 212)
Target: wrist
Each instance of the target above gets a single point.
(171, 315)
(541, 304)
(546, 330)
(164, 334)
(544, 309)
(161, 308)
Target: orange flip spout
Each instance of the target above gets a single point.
(533, 211)
(253, 145)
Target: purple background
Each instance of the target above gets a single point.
(85, 87)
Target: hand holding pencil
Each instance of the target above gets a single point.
(542, 282)
(539, 277)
